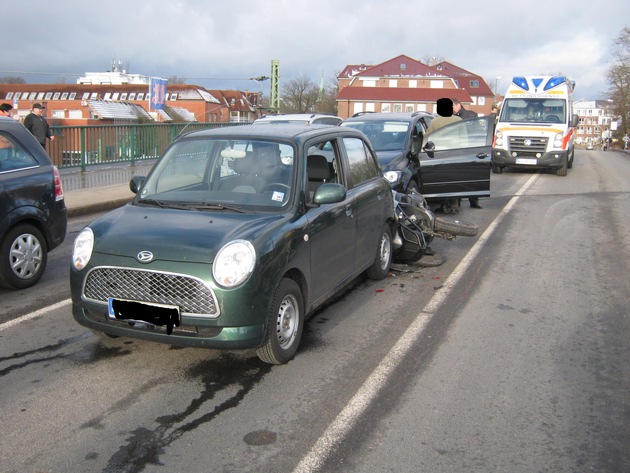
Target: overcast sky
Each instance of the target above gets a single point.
(222, 44)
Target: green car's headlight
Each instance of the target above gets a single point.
(82, 250)
(234, 263)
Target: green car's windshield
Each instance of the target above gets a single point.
(220, 174)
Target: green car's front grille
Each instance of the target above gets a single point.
(190, 294)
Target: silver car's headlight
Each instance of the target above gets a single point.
(392, 176)
(82, 250)
(234, 263)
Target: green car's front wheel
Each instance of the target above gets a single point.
(285, 321)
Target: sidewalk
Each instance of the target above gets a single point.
(100, 188)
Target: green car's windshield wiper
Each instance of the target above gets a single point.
(189, 205)
(208, 206)
(165, 204)
(157, 203)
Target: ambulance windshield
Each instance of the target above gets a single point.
(526, 110)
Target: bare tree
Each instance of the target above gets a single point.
(433, 60)
(174, 80)
(299, 95)
(12, 80)
(327, 100)
(618, 76)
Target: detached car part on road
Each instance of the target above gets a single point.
(33, 215)
(234, 237)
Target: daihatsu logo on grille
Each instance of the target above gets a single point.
(145, 257)
(527, 142)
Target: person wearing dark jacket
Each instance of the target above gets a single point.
(461, 112)
(37, 125)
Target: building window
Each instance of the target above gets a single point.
(370, 107)
(385, 107)
(48, 96)
(474, 83)
(140, 95)
(409, 107)
(174, 96)
(132, 96)
(56, 95)
(369, 83)
(32, 95)
(422, 107)
(123, 96)
(481, 100)
(413, 83)
(73, 95)
(94, 95)
(115, 95)
(358, 107)
(393, 83)
(75, 114)
(436, 84)
(86, 95)
(59, 114)
(64, 96)
(107, 96)
(41, 95)
(9, 96)
(397, 107)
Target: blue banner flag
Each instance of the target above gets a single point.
(157, 93)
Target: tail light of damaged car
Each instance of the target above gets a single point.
(222, 246)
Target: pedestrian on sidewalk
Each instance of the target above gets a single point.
(37, 125)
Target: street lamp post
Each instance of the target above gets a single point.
(260, 80)
(496, 86)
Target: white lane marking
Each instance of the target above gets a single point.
(37, 313)
(347, 418)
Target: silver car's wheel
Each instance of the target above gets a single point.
(24, 257)
(285, 321)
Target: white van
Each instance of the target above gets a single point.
(536, 126)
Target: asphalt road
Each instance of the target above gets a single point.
(511, 356)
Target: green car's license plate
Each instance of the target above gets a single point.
(155, 314)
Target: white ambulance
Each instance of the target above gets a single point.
(536, 126)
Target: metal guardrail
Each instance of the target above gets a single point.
(82, 146)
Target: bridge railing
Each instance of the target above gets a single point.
(82, 146)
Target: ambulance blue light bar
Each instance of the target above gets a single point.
(554, 82)
(521, 82)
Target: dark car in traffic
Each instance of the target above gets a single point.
(33, 215)
(453, 162)
(234, 237)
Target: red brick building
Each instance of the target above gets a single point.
(93, 104)
(403, 84)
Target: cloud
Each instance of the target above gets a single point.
(239, 40)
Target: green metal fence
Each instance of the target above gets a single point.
(82, 146)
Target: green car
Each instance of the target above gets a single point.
(234, 237)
